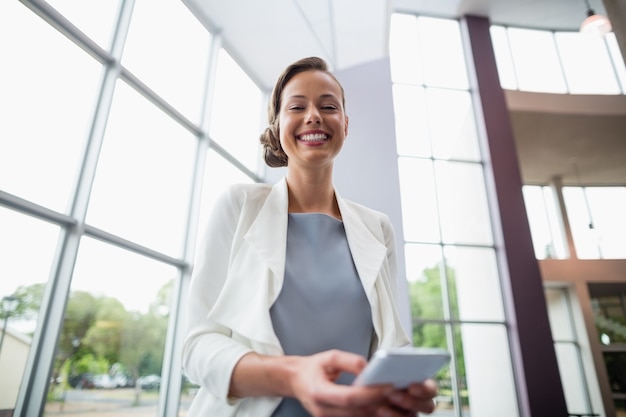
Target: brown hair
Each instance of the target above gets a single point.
(270, 138)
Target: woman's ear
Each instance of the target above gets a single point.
(345, 129)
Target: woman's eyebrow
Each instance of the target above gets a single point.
(327, 95)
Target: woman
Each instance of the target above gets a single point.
(294, 286)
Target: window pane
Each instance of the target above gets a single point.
(506, 70)
(48, 90)
(419, 200)
(545, 225)
(474, 286)
(487, 361)
(616, 58)
(585, 238)
(536, 61)
(113, 334)
(607, 238)
(235, 118)
(556, 223)
(404, 52)
(608, 205)
(167, 48)
(610, 317)
(463, 203)
(586, 63)
(24, 272)
(142, 185)
(616, 368)
(452, 124)
(218, 175)
(559, 314)
(538, 221)
(572, 377)
(409, 104)
(94, 18)
(423, 267)
(442, 53)
(434, 335)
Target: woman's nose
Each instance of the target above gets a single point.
(313, 115)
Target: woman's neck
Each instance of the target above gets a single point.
(312, 194)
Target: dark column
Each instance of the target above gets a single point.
(534, 358)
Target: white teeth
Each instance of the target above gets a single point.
(313, 137)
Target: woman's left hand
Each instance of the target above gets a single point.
(418, 398)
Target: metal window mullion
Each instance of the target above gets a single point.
(33, 390)
(120, 242)
(157, 100)
(445, 295)
(67, 28)
(458, 322)
(32, 209)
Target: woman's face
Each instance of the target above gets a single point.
(312, 121)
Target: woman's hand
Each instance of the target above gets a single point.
(408, 402)
(311, 379)
(313, 385)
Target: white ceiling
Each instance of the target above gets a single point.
(264, 36)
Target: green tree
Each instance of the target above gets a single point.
(105, 333)
(142, 345)
(28, 302)
(427, 303)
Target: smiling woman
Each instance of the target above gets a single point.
(295, 349)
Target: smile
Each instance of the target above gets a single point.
(314, 137)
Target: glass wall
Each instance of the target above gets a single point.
(567, 345)
(449, 247)
(558, 62)
(594, 214)
(116, 146)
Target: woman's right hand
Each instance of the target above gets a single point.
(313, 384)
(311, 380)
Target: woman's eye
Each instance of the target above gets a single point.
(329, 107)
(296, 108)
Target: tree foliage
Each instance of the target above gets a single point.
(98, 332)
(428, 303)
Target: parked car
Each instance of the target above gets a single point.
(149, 382)
(122, 381)
(104, 381)
(82, 381)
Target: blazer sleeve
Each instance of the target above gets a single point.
(209, 352)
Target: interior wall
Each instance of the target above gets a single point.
(366, 171)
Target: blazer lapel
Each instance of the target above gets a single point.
(368, 252)
(268, 234)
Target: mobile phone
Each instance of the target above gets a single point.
(402, 366)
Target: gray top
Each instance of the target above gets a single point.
(322, 304)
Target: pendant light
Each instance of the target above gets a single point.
(595, 24)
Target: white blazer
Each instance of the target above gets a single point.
(238, 275)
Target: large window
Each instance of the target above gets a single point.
(111, 157)
(449, 247)
(568, 345)
(558, 62)
(595, 218)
